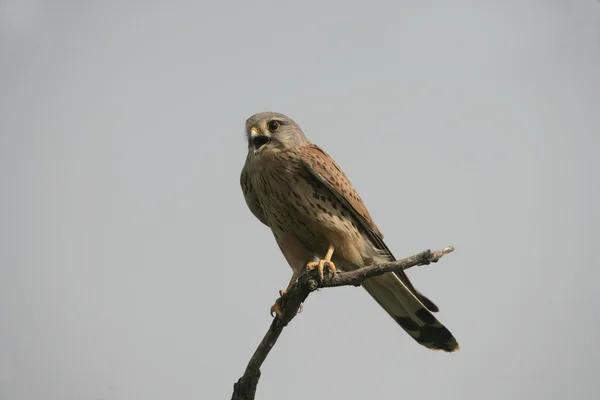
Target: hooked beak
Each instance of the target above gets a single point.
(257, 139)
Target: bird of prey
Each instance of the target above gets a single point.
(296, 189)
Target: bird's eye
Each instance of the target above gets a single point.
(272, 126)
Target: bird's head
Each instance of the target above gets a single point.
(273, 132)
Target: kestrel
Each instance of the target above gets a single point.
(317, 218)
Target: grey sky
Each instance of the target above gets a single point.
(130, 267)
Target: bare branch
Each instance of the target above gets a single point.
(356, 277)
(245, 388)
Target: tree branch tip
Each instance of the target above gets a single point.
(445, 251)
(448, 250)
(436, 255)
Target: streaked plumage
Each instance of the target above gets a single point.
(295, 188)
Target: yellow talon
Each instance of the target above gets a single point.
(276, 309)
(320, 265)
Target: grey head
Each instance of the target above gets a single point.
(270, 132)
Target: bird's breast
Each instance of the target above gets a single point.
(293, 200)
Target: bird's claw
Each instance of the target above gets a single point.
(320, 266)
(276, 308)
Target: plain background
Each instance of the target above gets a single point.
(130, 267)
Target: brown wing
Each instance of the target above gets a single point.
(326, 170)
(250, 197)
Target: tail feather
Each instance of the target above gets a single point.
(410, 313)
(427, 302)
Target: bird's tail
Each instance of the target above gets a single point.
(410, 313)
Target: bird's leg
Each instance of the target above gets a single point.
(276, 308)
(295, 276)
(320, 265)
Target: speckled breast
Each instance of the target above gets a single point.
(293, 200)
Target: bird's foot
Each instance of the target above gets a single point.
(276, 308)
(320, 266)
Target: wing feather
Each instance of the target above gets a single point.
(250, 197)
(315, 159)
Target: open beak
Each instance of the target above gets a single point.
(257, 139)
